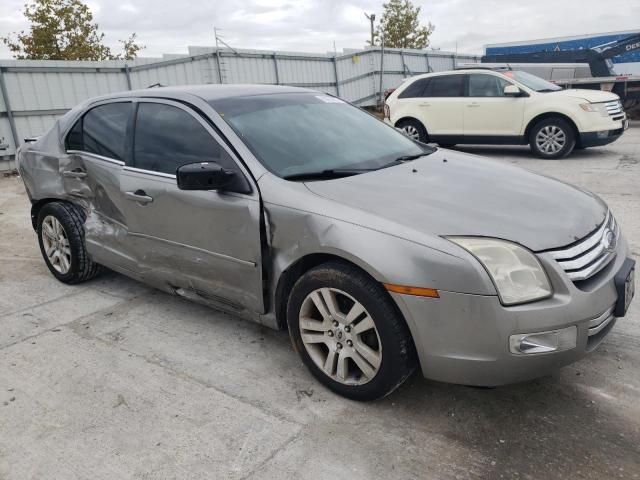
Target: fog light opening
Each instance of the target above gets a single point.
(544, 342)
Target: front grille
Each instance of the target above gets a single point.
(587, 257)
(614, 109)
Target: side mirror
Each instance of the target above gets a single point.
(203, 176)
(512, 91)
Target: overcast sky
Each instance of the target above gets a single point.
(169, 26)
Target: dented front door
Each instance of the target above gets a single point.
(200, 243)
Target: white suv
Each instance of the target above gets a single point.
(482, 106)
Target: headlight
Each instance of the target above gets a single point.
(515, 271)
(595, 108)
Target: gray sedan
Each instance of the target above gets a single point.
(295, 209)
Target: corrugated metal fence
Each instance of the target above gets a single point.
(34, 93)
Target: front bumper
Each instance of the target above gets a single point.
(597, 139)
(465, 339)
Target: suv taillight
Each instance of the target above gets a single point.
(387, 111)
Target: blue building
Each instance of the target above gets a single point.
(625, 64)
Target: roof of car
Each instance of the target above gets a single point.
(215, 92)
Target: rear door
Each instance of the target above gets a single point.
(204, 243)
(97, 149)
(488, 112)
(441, 106)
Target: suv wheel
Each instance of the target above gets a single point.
(552, 138)
(414, 130)
(349, 333)
(61, 238)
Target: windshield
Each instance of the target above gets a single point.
(531, 81)
(300, 133)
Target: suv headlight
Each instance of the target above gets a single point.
(595, 108)
(515, 271)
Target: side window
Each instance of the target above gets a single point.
(414, 90)
(167, 137)
(104, 130)
(486, 86)
(74, 138)
(445, 86)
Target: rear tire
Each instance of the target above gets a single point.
(414, 130)
(552, 138)
(349, 333)
(60, 229)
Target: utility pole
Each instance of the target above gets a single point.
(371, 18)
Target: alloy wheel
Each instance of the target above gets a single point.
(411, 132)
(551, 139)
(56, 244)
(340, 336)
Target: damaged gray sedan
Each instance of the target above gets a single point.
(297, 210)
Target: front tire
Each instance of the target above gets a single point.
(552, 138)
(349, 333)
(61, 238)
(414, 130)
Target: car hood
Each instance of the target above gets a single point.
(451, 193)
(593, 96)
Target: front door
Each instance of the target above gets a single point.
(204, 243)
(488, 112)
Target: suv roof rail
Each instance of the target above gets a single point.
(483, 67)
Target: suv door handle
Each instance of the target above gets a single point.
(75, 173)
(473, 104)
(425, 104)
(138, 196)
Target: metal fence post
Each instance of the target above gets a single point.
(128, 75)
(7, 106)
(381, 70)
(404, 65)
(426, 57)
(335, 71)
(218, 64)
(275, 67)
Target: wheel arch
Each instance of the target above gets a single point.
(298, 268)
(546, 115)
(37, 205)
(409, 117)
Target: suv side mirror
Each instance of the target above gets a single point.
(203, 176)
(512, 91)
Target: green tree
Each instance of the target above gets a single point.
(401, 27)
(64, 30)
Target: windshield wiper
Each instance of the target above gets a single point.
(546, 90)
(348, 172)
(404, 158)
(325, 174)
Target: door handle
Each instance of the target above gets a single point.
(473, 105)
(138, 196)
(425, 104)
(75, 173)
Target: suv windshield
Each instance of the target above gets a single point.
(534, 83)
(294, 134)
